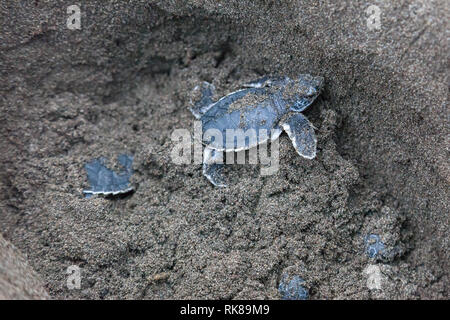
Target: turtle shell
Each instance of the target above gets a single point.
(242, 120)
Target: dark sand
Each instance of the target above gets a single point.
(121, 84)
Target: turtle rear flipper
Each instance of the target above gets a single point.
(301, 133)
(202, 99)
(213, 166)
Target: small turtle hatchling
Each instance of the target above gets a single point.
(265, 105)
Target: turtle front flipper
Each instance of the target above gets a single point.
(202, 99)
(213, 166)
(301, 133)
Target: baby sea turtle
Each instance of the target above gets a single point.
(107, 182)
(269, 104)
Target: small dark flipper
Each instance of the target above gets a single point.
(213, 166)
(202, 99)
(301, 133)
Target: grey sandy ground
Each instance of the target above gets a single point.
(120, 84)
(17, 279)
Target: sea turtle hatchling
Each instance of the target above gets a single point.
(270, 104)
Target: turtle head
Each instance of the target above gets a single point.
(299, 93)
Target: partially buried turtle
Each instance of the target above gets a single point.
(270, 104)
